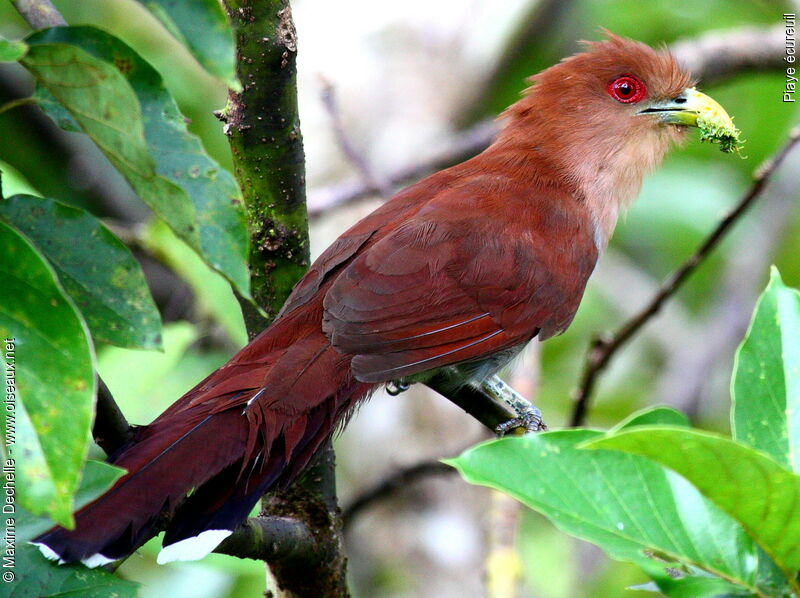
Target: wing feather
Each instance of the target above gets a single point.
(447, 287)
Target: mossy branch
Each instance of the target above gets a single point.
(263, 127)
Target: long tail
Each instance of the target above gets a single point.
(204, 463)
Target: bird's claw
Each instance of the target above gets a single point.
(395, 387)
(529, 421)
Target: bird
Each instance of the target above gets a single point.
(451, 277)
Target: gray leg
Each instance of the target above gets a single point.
(528, 417)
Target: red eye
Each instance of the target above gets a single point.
(627, 89)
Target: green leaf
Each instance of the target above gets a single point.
(213, 293)
(53, 108)
(653, 416)
(53, 364)
(43, 579)
(97, 477)
(695, 587)
(766, 380)
(11, 51)
(98, 271)
(632, 508)
(200, 25)
(120, 101)
(750, 486)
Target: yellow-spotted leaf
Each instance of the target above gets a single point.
(49, 358)
(98, 84)
(101, 275)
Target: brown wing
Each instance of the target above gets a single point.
(365, 231)
(472, 273)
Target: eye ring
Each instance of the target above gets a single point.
(627, 89)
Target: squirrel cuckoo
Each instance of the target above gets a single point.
(450, 278)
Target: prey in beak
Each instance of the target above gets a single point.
(695, 109)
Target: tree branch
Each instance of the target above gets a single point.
(356, 158)
(269, 539)
(485, 409)
(391, 484)
(319, 570)
(39, 13)
(686, 381)
(711, 58)
(489, 412)
(717, 55)
(263, 128)
(604, 348)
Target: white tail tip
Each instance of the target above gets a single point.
(48, 552)
(97, 560)
(194, 548)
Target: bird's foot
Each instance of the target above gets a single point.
(395, 387)
(529, 420)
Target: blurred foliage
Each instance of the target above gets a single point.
(677, 207)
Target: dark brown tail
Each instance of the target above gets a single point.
(223, 460)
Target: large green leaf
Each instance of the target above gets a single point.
(766, 379)
(120, 101)
(94, 267)
(749, 485)
(201, 25)
(629, 506)
(53, 364)
(43, 580)
(11, 51)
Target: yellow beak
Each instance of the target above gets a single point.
(695, 109)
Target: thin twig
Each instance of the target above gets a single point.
(711, 58)
(687, 382)
(604, 348)
(39, 13)
(461, 147)
(356, 158)
(534, 39)
(391, 484)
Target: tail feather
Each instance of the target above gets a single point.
(122, 519)
(223, 503)
(204, 463)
